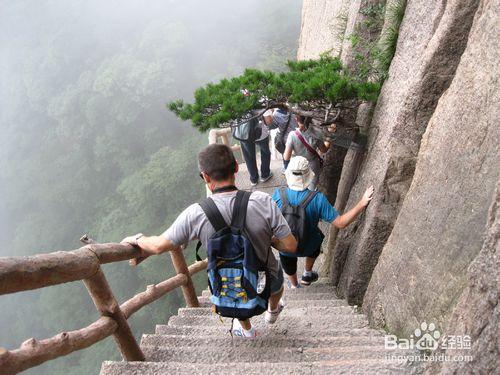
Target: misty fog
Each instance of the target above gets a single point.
(88, 146)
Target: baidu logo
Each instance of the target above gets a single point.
(425, 337)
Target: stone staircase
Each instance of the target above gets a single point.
(316, 333)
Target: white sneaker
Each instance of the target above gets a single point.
(271, 316)
(240, 332)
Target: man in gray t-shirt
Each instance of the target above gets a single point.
(264, 221)
(265, 226)
(296, 147)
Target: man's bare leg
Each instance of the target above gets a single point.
(274, 310)
(247, 326)
(309, 276)
(309, 263)
(293, 279)
(275, 299)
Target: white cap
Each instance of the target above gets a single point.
(298, 174)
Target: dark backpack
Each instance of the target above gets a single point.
(280, 141)
(238, 280)
(295, 216)
(248, 131)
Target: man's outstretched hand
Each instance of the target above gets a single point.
(132, 240)
(347, 218)
(367, 196)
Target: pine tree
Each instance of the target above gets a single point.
(322, 89)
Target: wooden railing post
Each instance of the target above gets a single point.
(224, 134)
(180, 266)
(38, 271)
(107, 305)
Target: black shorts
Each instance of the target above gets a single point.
(289, 264)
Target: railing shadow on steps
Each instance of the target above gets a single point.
(33, 272)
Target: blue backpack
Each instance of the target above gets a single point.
(238, 280)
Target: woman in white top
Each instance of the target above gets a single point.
(301, 142)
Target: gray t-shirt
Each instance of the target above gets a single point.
(299, 149)
(264, 131)
(280, 119)
(264, 220)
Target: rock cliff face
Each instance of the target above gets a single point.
(477, 314)
(323, 21)
(428, 51)
(440, 227)
(433, 156)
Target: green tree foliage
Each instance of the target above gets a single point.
(386, 48)
(307, 83)
(374, 51)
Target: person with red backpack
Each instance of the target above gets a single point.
(303, 209)
(237, 229)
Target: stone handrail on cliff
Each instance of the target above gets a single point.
(33, 272)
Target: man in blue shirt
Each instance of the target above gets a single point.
(298, 178)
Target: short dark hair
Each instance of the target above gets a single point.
(217, 161)
(304, 120)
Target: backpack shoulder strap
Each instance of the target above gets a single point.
(309, 197)
(213, 214)
(198, 245)
(288, 121)
(309, 148)
(240, 209)
(284, 199)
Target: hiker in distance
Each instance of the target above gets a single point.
(302, 142)
(285, 122)
(251, 134)
(237, 229)
(303, 209)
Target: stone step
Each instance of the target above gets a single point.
(212, 355)
(273, 330)
(269, 341)
(303, 297)
(351, 367)
(311, 297)
(208, 311)
(205, 302)
(291, 319)
(314, 288)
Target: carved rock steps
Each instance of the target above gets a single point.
(316, 333)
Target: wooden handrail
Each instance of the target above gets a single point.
(38, 271)
(224, 134)
(33, 352)
(31, 272)
(106, 304)
(197, 267)
(181, 267)
(151, 294)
